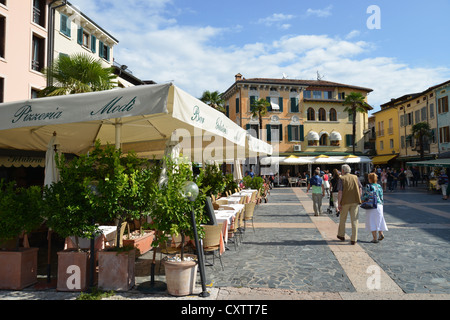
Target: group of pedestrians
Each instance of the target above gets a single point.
(348, 193)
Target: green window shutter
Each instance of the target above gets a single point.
(349, 139)
(280, 102)
(302, 133)
(289, 132)
(108, 50)
(269, 108)
(269, 134)
(247, 126)
(101, 48)
(228, 111)
(294, 105)
(93, 44)
(80, 35)
(237, 105)
(65, 25)
(281, 131)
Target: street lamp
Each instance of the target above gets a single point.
(190, 191)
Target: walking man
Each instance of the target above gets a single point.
(349, 194)
(318, 191)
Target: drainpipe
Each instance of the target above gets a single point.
(51, 37)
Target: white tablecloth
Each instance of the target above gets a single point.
(108, 235)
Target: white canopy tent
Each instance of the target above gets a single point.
(141, 119)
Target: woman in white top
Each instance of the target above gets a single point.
(374, 217)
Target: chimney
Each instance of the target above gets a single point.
(238, 77)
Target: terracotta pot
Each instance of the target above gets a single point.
(18, 269)
(181, 276)
(73, 270)
(143, 243)
(116, 270)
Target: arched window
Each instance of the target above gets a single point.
(333, 114)
(311, 114)
(323, 141)
(322, 114)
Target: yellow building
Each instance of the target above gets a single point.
(305, 117)
(386, 134)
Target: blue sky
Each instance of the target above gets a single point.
(201, 44)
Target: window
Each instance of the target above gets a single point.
(423, 112)
(3, 2)
(333, 114)
(317, 94)
(34, 93)
(444, 134)
(2, 36)
(39, 12)
(65, 25)
(294, 105)
(349, 140)
(381, 145)
(391, 143)
(295, 133)
(311, 114)
(403, 142)
(328, 94)
(443, 105)
(38, 53)
(104, 51)
(432, 111)
(237, 105)
(341, 95)
(323, 141)
(391, 128)
(417, 116)
(274, 132)
(252, 101)
(86, 38)
(381, 128)
(252, 129)
(307, 94)
(350, 116)
(322, 114)
(409, 119)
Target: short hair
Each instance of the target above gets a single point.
(373, 178)
(346, 168)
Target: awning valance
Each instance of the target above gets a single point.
(431, 163)
(383, 159)
(19, 161)
(335, 136)
(312, 136)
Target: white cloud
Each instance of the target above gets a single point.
(277, 19)
(163, 51)
(321, 13)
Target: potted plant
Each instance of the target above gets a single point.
(170, 215)
(71, 211)
(20, 213)
(212, 176)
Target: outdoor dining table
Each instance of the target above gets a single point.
(226, 217)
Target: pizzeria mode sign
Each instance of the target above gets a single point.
(115, 106)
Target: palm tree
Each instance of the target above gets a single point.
(259, 109)
(420, 132)
(78, 73)
(214, 99)
(355, 102)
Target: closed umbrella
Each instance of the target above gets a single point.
(51, 176)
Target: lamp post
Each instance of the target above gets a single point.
(190, 191)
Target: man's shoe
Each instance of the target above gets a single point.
(341, 238)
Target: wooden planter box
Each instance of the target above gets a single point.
(116, 270)
(143, 243)
(18, 269)
(73, 270)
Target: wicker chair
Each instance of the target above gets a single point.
(249, 214)
(211, 241)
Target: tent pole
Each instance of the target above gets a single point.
(118, 131)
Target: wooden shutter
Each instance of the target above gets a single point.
(280, 102)
(80, 35)
(269, 108)
(349, 140)
(294, 105)
(237, 105)
(101, 48)
(289, 132)
(252, 101)
(269, 133)
(93, 43)
(302, 133)
(281, 131)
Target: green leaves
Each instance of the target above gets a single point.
(20, 209)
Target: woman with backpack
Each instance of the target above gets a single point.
(375, 222)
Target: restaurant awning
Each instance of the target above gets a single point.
(383, 159)
(19, 161)
(141, 119)
(431, 163)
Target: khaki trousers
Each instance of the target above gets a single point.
(353, 209)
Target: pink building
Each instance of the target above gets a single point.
(23, 48)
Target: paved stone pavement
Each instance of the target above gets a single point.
(293, 255)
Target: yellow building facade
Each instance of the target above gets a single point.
(305, 117)
(387, 142)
